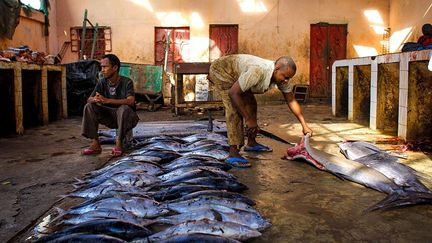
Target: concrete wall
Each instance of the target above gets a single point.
(280, 29)
(407, 18)
(53, 43)
(30, 31)
(267, 28)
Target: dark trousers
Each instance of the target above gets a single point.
(123, 118)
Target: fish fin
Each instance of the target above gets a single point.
(406, 198)
(61, 213)
(344, 152)
(76, 186)
(79, 180)
(61, 197)
(114, 182)
(338, 175)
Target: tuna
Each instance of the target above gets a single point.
(65, 218)
(79, 237)
(217, 193)
(202, 238)
(224, 229)
(187, 216)
(203, 201)
(116, 228)
(142, 207)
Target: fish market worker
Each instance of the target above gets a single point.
(238, 78)
(112, 104)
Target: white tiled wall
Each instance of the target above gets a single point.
(403, 59)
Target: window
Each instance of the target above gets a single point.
(102, 45)
(36, 4)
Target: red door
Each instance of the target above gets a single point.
(178, 45)
(223, 40)
(327, 44)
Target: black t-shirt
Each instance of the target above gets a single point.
(122, 90)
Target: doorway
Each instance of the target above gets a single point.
(223, 40)
(327, 44)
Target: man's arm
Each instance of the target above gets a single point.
(236, 93)
(130, 100)
(297, 111)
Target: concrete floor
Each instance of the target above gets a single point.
(303, 203)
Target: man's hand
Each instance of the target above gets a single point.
(307, 130)
(98, 98)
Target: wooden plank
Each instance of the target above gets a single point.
(192, 68)
(44, 98)
(19, 124)
(64, 91)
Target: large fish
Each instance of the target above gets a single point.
(112, 227)
(203, 201)
(187, 216)
(371, 156)
(142, 207)
(165, 155)
(177, 191)
(80, 237)
(130, 178)
(202, 238)
(66, 218)
(220, 139)
(251, 219)
(214, 153)
(149, 168)
(188, 175)
(180, 171)
(91, 192)
(193, 161)
(359, 173)
(220, 183)
(217, 193)
(224, 229)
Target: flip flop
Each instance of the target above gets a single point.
(116, 151)
(258, 148)
(90, 151)
(238, 162)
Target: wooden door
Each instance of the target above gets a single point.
(327, 44)
(223, 40)
(178, 45)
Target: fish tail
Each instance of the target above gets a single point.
(397, 199)
(61, 213)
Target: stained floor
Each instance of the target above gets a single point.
(303, 203)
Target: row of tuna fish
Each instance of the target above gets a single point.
(167, 190)
(372, 167)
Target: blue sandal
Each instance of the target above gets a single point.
(238, 162)
(258, 148)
